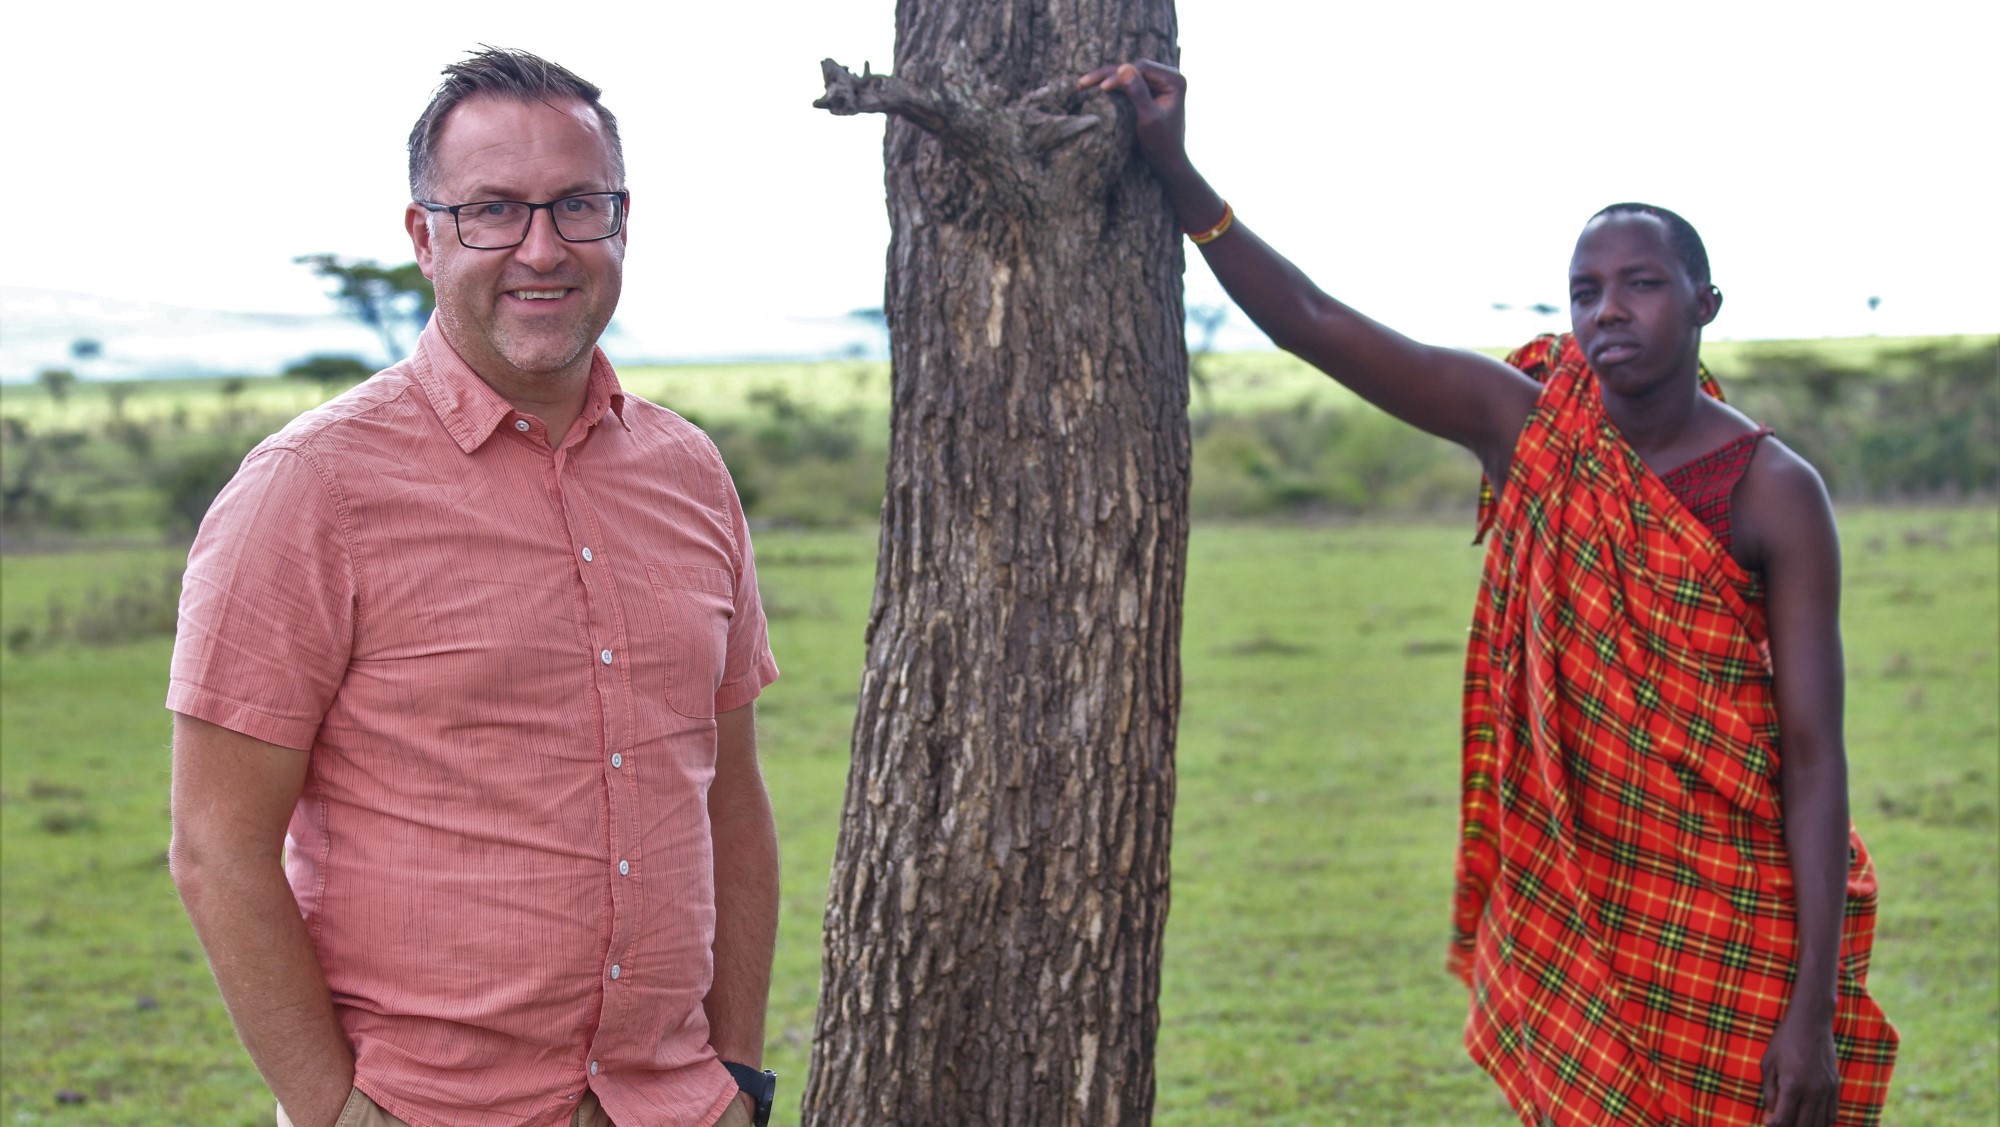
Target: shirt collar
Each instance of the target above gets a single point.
(471, 410)
(605, 394)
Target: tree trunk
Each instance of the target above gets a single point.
(993, 926)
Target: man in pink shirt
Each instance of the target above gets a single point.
(466, 804)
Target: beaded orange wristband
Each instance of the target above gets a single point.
(1203, 238)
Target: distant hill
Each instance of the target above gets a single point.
(148, 339)
(152, 340)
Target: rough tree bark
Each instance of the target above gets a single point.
(993, 929)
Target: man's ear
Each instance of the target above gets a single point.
(1706, 305)
(417, 222)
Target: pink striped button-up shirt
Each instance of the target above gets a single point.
(505, 662)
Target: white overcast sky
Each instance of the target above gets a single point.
(1422, 161)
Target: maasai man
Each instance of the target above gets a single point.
(1663, 913)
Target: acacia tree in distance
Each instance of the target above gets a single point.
(387, 299)
(993, 929)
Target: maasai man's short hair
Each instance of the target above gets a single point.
(1681, 237)
(498, 72)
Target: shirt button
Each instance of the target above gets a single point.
(624, 868)
(617, 760)
(604, 656)
(593, 1068)
(614, 970)
(521, 425)
(587, 557)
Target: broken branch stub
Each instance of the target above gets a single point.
(848, 94)
(1035, 123)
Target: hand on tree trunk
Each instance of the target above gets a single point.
(1158, 94)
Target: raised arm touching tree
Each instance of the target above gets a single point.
(993, 931)
(1470, 399)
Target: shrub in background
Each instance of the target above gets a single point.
(1924, 421)
(191, 484)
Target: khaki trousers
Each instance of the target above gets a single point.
(360, 1111)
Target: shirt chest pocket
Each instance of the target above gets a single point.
(695, 605)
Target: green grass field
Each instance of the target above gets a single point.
(1318, 770)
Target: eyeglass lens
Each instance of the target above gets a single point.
(504, 223)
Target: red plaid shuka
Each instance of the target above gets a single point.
(1624, 911)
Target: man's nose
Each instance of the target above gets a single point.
(1611, 310)
(543, 250)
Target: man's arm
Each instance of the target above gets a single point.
(746, 891)
(232, 799)
(1473, 400)
(1783, 513)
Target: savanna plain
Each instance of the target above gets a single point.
(1317, 758)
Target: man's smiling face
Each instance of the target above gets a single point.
(527, 316)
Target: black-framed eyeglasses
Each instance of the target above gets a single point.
(499, 224)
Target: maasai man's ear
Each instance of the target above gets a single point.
(1707, 303)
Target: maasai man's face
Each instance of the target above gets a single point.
(1636, 313)
(532, 312)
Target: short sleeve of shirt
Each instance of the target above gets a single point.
(749, 665)
(267, 605)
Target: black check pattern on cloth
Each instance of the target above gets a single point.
(1624, 913)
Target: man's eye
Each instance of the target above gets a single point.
(499, 209)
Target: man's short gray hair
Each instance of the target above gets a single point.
(499, 72)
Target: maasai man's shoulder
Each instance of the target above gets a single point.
(1781, 504)
(1778, 473)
